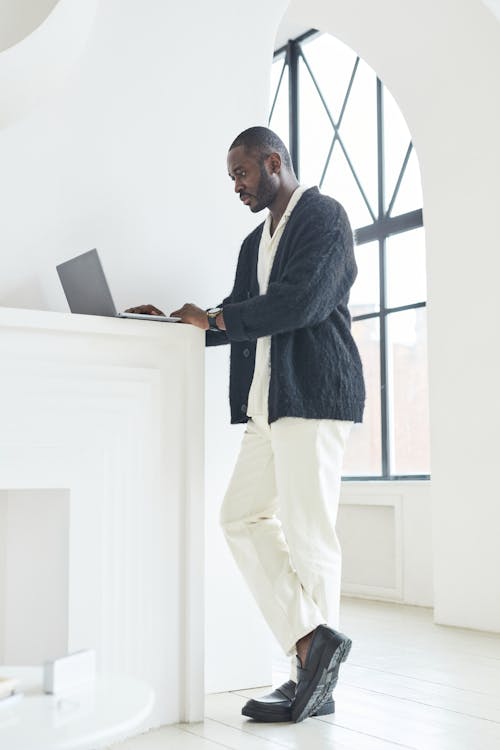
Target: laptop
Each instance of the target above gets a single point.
(87, 290)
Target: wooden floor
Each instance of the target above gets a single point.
(407, 684)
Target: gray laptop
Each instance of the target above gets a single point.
(87, 290)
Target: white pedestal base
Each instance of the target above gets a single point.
(105, 711)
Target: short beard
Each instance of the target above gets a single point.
(265, 192)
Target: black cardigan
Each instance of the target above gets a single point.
(316, 369)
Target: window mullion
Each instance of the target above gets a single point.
(384, 401)
(384, 368)
(380, 150)
(293, 52)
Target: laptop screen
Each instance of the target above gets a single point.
(85, 285)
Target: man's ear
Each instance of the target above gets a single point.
(275, 163)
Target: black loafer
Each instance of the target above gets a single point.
(277, 705)
(315, 681)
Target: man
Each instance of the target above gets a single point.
(296, 380)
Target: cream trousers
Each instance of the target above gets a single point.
(279, 515)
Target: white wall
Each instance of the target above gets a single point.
(127, 152)
(441, 61)
(385, 531)
(131, 156)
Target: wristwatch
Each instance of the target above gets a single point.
(212, 318)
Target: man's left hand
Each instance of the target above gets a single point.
(190, 313)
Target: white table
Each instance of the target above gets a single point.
(88, 718)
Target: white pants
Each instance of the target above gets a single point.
(279, 516)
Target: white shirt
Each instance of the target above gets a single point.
(259, 390)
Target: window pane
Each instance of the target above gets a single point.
(358, 131)
(405, 262)
(315, 128)
(363, 456)
(397, 138)
(365, 293)
(408, 392)
(279, 120)
(276, 71)
(340, 184)
(332, 63)
(409, 195)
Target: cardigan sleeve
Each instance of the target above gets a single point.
(215, 338)
(317, 275)
(246, 259)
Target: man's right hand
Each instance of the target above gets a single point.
(145, 310)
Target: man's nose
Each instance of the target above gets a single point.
(237, 185)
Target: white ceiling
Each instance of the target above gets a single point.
(18, 18)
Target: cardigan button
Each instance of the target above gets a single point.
(244, 408)
(246, 352)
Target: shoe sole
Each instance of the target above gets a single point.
(283, 715)
(324, 680)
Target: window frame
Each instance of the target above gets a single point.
(383, 226)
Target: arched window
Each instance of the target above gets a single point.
(346, 134)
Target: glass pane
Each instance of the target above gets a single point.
(276, 70)
(363, 456)
(365, 293)
(340, 184)
(332, 63)
(408, 392)
(409, 195)
(315, 128)
(279, 121)
(405, 263)
(397, 138)
(358, 131)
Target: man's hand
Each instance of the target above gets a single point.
(145, 310)
(190, 313)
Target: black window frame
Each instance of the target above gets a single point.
(383, 226)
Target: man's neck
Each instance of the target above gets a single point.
(278, 206)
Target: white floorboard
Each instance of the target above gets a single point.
(407, 684)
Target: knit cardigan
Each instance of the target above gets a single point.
(316, 369)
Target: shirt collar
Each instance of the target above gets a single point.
(294, 199)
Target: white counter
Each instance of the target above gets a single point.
(101, 498)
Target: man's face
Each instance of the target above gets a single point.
(254, 179)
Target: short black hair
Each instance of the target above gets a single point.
(265, 142)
